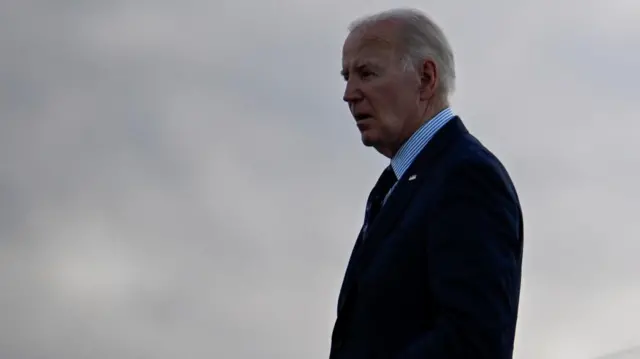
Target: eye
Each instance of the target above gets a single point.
(366, 74)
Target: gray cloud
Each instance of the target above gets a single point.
(182, 179)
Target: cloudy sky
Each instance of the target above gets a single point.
(180, 178)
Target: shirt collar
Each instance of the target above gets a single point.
(416, 143)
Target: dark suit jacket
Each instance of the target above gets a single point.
(438, 276)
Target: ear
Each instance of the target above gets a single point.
(428, 79)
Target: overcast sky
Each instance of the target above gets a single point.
(180, 178)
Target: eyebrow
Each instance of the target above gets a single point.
(359, 66)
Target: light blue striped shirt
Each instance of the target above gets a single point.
(416, 143)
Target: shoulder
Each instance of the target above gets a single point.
(476, 192)
(472, 167)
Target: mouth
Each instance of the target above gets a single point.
(362, 121)
(361, 116)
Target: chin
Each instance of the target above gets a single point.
(368, 140)
(375, 143)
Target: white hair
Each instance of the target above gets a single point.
(423, 39)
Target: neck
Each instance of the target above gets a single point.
(430, 111)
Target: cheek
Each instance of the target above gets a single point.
(394, 95)
(383, 99)
(393, 104)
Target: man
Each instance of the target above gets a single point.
(435, 271)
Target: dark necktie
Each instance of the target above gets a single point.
(376, 197)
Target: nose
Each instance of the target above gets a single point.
(352, 93)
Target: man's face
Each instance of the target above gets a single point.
(383, 98)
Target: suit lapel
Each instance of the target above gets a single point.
(395, 206)
(397, 203)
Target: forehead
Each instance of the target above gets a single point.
(373, 42)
